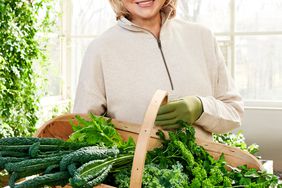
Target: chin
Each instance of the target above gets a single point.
(147, 14)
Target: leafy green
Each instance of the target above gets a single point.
(252, 178)
(94, 169)
(236, 140)
(98, 131)
(201, 169)
(181, 147)
(154, 176)
(178, 163)
(21, 50)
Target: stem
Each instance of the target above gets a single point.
(103, 134)
(115, 161)
(173, 156)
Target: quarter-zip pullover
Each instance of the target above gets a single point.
(124, 67)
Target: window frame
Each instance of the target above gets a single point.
(232, 34)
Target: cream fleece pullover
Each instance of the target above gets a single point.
(124, 67)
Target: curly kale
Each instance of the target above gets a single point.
(196, 183)
(194, 168)
(122, 178)
(154, 176)
(216, 176)
(227, 182)
(201, 168)
(186, 153)
(199, 173)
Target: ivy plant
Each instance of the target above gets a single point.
(21, 49)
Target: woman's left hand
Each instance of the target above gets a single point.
(187, 109)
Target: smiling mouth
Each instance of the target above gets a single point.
(145, 3)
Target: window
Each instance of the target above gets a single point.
(84, 20)
(249, 33)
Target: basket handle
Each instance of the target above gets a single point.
(159, 98)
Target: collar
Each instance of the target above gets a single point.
(127, 24)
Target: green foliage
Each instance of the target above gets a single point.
(180, 162)
(58, 178)
(122, 178)
(199, 166)
(236, 140)
(252, 178)
(87, 154)
(154, 176)
(99, 131)
(94, 172)
(40, 156)
(181, 147)
(199, 172)
(47, 112)
(20, 50)
(87, 166)
(216, 176)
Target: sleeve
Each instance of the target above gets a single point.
(223, 111)
(90, 93)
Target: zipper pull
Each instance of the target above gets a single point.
(159, 43)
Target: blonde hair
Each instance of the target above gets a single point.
(169, 7)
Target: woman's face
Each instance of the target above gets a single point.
(143, 9)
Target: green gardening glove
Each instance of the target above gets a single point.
(187, 109)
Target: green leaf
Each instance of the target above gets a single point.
(252, 173)
(236, 140)
(245, 181)
(98, 131)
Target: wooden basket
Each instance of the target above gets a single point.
(145, 137)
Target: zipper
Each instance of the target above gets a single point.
(164, 60)
(162, 53)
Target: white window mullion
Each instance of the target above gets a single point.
(232, 38)
(66, 50)
(260, 33)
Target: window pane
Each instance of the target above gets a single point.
(91, 17)
(259, 67)
(54, 74)
(52, 67)
(258, 15)
(213, 14)
(225, 46)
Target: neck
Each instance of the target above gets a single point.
(153, 24)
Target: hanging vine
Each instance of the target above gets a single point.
(21, 49)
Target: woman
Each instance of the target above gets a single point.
(148, 50)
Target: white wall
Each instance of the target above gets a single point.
(264, 127)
